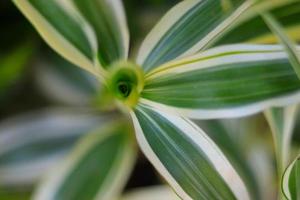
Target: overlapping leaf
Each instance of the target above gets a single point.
(108, 20)
(282, 121)
(285, 41)
(97, 168)
(63, 29)
(291, 181)
(185, 156)
(227, 81)
(287, 12)
(189, 27)
(227, 141)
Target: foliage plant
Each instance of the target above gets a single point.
(194, 64)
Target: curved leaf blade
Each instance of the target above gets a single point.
(62, 29)
(107, 17)
(98, 167)
(228, 81)
(281, 122)
(183, 154)
(232, 149)
(176, 36)
(291, 181)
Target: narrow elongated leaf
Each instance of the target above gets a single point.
(151, 193)
(287, 12)
(185, 156)
(176, 36)
(282, 121)
(286, 42)
(233, 151)
(31, 144)
(227, 81)
(291, 181)
(97, 168)
(108, 19)
(63, 29)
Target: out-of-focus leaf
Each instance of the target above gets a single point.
(186, 157)
(98, 167)
(233, 151)
(226, 81)
(281, 122)
(291, 181)
(108, 20)
(61, 81)
(187, 28)
(151, 193)
(12, 64)
(14, 195)
(30, 144)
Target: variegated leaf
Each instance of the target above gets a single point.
(227, 140)
(186, 157)
(287, 43)
(107, 17)
(31, 144)
(176, 36)
(63, 29)
(291, 181)
(227, 81)
(287, 12)
(282, 121)
(97, 168)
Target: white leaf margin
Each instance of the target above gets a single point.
(221, 164)
(55, 40)
(109, 190)
(265, 52)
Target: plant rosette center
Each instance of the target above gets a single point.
(125, 82)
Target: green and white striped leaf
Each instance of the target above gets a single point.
(281, 122)
(63, 29)
(186, 157)
(62, 82)
(189, 27)
(284, 39)
(31, 144)
(232, 149)
(151, 193)
(287, 12)
(107, 17)
(291, 181)
(98, 167)
(227, 81)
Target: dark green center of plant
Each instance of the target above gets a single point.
(124, 89)
(126, 82)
